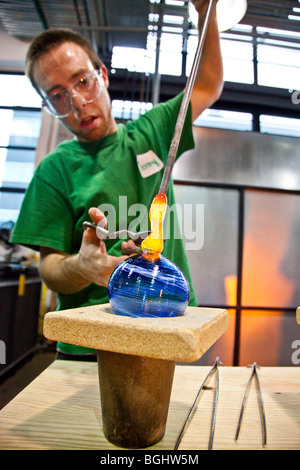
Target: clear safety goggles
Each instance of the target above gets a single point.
(88, 87)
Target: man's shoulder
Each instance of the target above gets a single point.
(158, 115)
(62, 151)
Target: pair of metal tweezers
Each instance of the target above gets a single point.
(215, 368)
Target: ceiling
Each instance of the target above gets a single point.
(107, 23)
(122, 22)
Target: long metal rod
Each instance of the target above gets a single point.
(156, 76)
(184, 104)
(240, 257)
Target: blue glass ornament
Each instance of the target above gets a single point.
(150, 288)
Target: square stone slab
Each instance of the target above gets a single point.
(184, 338)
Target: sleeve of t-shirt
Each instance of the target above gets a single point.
(45, 218)
(163, 118)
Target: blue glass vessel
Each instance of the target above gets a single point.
(150, 288)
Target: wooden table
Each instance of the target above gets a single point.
(60, 409)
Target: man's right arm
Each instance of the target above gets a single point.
(60, 271)
(68, 274)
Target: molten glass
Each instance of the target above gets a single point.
(149, 284)
(153, 245)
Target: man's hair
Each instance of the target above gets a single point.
(50, 39)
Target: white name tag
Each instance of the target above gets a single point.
(149, 163)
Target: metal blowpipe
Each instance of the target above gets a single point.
(176, 136)
(184, 104)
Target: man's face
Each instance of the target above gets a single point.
(57, 70)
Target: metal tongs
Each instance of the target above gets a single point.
(215, 368)
(104, 234)
(262, 409)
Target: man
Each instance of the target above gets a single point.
(99, 166)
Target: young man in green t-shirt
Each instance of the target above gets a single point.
(106, 163)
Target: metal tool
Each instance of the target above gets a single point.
(104, 234)
(215, 368)
(262, 409)
(184, 104)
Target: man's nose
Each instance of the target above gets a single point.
(78, 101)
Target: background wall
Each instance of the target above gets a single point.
(249, 185)
(12, 53)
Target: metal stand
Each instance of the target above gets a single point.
(136, 362)
(135, 394)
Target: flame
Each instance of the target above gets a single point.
(153, 245)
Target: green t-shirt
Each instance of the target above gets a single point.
(113, 171)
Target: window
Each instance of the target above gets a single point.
(20, 120)
(143, 60)
(16, 90)
(225, 120)
(129, 109)
(237, 54)
(279, 125)
(237, 61)
(278, 58)
(252, 56)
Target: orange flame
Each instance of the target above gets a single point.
(153, 245)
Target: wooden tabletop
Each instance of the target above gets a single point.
(60, 409)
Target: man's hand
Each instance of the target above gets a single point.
(94, 263)
(68, 274)
(201, 5)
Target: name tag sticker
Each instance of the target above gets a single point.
(149, 163)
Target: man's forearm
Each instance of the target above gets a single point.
(61, 273)
(210, 72)
(209, 79)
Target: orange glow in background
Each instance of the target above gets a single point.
(153, 245)
(268, 237)
(265, 283)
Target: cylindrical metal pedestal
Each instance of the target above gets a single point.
(135, 394)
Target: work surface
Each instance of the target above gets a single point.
(60, 409)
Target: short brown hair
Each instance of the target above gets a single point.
(51, 38)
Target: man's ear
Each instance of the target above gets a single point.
(105, 76)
